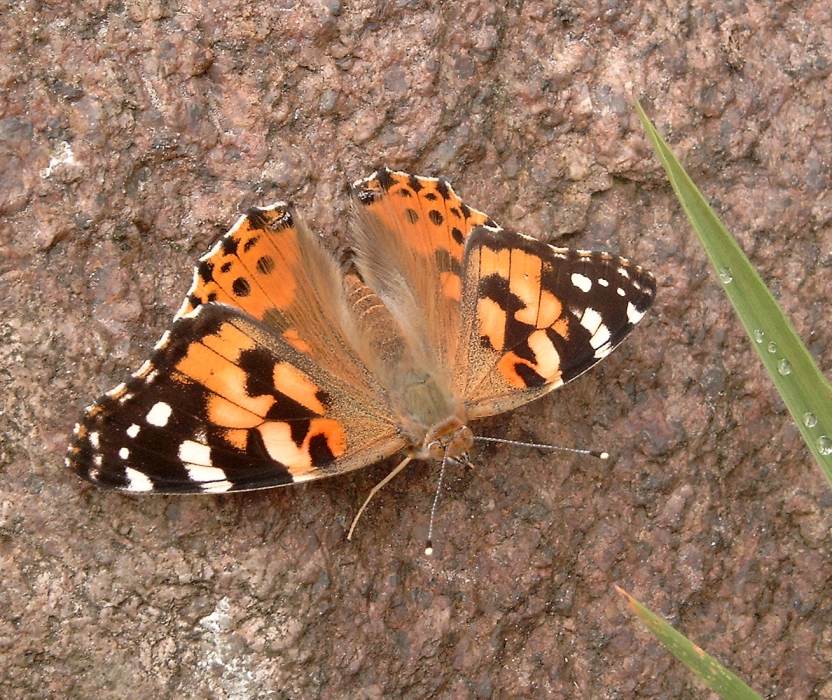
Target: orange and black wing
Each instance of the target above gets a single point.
(536, 316)
(225, 404)
(256, 384)
(272, 267)
(408, 239)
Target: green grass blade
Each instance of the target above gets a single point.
(715, 675)
(802, 386)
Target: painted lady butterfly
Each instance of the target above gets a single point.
(283, 366)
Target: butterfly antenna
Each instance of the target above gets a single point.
(557, 448)
(401, 465)
(429, 543)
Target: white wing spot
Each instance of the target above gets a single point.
(623, 272)
(603, 351)
(133, 430)
(158, 415)
(142, 371)
(603, 282)
(94, 439)
(216, 486)
(591, 320)
(124, 453)
(621, 292)
(163, 341)
(196, 472)
(136, 481)
(601, 336)
(117, 391)
(196, 453)
(633, 314)
(582, 282)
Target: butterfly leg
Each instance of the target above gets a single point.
(375, 490)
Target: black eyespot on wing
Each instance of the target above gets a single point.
(241, 287)
(528, 375)
(384, 178)
(320, 452)
(265, 264)
(257, 218)
(229, 245)
(205, 270)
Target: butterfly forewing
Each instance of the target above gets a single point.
(537, 316)
(225, 404)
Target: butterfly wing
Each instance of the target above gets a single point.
(258, 382)
(274, 268)
(225, 404)
(408, 239)
(537, 316)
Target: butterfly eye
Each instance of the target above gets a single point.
(435, 450)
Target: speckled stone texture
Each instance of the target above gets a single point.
(132, 133)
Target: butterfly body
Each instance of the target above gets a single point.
(284, 366)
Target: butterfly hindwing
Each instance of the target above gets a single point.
(272, 267)
(536, 316)
(224, 404)
(408, 239)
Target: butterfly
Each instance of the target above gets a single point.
(287, 363)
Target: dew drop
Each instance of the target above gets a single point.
(759, 335)
(725, 275)
(772, 347)
(784, 367)
(824, 445)
(809, 419)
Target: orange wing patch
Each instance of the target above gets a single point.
(237, 270)
(272, 267)
(426, 215)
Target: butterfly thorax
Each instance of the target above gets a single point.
(432, 420)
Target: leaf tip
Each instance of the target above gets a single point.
(626, 596)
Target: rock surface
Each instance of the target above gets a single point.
(132, 133)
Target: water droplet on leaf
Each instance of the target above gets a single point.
(759, 335)
(809, 419)
(784, 367)
(725, 275)
(824, 445)
(772, 347)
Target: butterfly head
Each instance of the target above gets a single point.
(450, 438)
